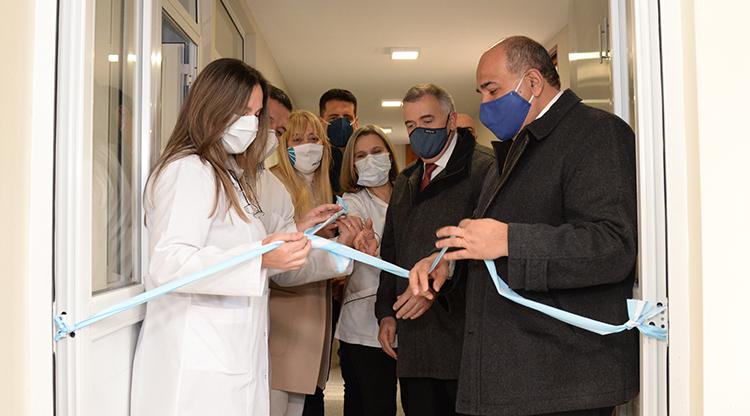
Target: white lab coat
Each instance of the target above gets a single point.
(202, 350)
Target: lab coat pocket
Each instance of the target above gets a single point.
(219, 339)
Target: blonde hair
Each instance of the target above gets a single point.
(349, 176)
(304, 197)
(218, 96)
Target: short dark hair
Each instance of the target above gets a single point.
(279, 95)
(337, 94)
(523, 53)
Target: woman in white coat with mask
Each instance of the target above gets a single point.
(367, 175)
(204, 349)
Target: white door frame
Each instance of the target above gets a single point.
(684, 333)
(73, 179)
(73, 192)
(652, 216)
(73, 210)
(38, 361)
(662, 101)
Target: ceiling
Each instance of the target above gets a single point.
(323, 44)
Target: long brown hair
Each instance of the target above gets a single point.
(303, 197)
(349, 176)
(217, 97)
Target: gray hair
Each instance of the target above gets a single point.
(420, 90)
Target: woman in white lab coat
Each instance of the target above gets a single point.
(367, 175)
(203, 349)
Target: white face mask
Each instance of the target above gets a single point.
(272, 142)
(373, 170)
(238, 136)
(306, 157)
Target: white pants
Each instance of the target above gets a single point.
(287, 404)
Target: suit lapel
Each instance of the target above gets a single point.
(414, 180)
(514, 155)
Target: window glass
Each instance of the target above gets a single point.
(178, 64)
(115, 185)
(192, 8)
(229, 41)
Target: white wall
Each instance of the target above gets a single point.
(15, 122)
(721, 99)
(257, 52)
(26, 118)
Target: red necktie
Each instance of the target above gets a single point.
(428, 169)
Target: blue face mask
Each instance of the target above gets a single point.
(505, 115)
(427, 143)
(339, 131)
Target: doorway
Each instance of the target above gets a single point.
(119, 104)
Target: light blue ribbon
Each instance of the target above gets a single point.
(63, 329)
(343, 211)
(353, 254)
(639, 311)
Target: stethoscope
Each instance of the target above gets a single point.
(251, 208)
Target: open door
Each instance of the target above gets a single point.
(123, 69)
(99, 178)
(108, 108)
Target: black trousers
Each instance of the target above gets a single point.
(428, 396)
(315, 403)
(369, 381)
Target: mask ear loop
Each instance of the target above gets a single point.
(447, 122)
(519, 85)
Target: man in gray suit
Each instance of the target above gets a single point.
(438, 189)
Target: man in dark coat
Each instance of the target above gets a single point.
(437, 190)
(557, 215)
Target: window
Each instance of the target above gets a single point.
(229, 39)
(191, 6)
(115, 185)
(178, 67)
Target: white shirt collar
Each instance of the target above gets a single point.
(549, 105)
(375, 198)
(443, 161)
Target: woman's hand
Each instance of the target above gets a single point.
(329, 231)
(366, 241)
(349, 227)
(291, 255)
(317, 215)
